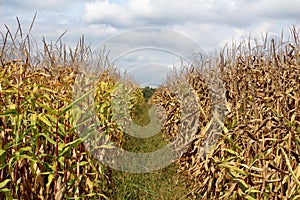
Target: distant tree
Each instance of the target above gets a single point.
(147, 92)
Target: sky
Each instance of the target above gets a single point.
(166, 27)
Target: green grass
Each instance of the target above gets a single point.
(144, 145)
(162, 184)
(165, 183)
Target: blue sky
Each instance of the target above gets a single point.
(211, 23)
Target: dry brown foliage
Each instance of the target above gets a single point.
(258, 154)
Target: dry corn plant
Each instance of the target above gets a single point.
(257, 156)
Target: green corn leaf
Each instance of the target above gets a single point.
(74, 143)
(50, 179)
(24, 156)
(3, 164)
(2, 151)
(44, 119)
(230, 151)
(9, 113)
(49, 166)
(82, 163)
(61, 128)
(28, 148)
(45, 173)
(243, 185)
(4, 183)
(47, 138)
(296, 197)
(61, 146)
(70, 145)
(4, 190)
(52, 111)
(74, 103)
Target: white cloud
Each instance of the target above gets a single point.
(240, 13)
(105, 13)
(211, 23)
(140, 8)
(145, 12)
(43, 4)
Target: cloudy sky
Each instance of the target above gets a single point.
(209, 23)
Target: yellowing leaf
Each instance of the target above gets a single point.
(4, 183)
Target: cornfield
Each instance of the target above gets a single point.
(42, 156)
(256, 155)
